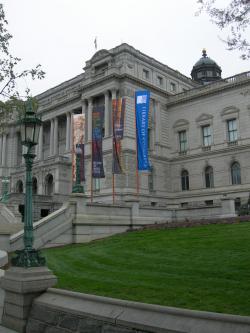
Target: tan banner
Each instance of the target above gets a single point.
(78, 138)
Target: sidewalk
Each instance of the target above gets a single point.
(3, 329)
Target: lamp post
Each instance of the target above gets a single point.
(78, 188)
(30, 126)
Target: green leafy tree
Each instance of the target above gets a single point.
(235, 17)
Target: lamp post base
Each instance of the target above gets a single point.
(77, 189)
(22, 286)
(28, 258)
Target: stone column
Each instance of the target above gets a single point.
(4, 150)
(113, 92)
(68, 132)
(90, 109)
(107, 114)
(157, 122)
(51, 143)
(71, 132)
(113, 96)
(24, 151)
(40, 144)
(1, 143)
(36, 152)
(56, 136)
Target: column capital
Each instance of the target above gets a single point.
(113, 92)
(84, 101)
(90, 100)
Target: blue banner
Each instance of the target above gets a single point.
(142, 110)
(97, 132)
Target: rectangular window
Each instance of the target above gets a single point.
(232, 130)
(206, 135)
(172, 86)
(159, 80)
(183, 141)
(145, 74)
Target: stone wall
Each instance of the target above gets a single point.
(61, 311)
(78, 221)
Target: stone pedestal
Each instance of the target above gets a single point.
(227, 207)
(21, 286)
(135, 210)
(80, 200)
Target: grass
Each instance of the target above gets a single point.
(203, 268)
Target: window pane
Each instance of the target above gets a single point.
(235, 173)
(209, 177)
(206, 133)
(184, 180)
(232, 130)
(183, 140)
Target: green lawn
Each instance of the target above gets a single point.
(205, 268)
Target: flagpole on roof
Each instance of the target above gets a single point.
(95, 43)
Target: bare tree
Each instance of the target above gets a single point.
(9, 73)
(234, 16)
(10, 100)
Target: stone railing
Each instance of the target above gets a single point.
(61, 311)
(53, 230)
(78, 221)
(209, 87)
(6, 215)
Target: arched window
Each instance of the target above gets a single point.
(49, 184)
(209, 177)
(19, 186)
(235, 173)
(184, 180)
(34, 185)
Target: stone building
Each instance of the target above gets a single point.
(199, 141)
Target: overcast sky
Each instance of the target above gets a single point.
(60, 34)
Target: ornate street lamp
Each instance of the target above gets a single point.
(78, 188)
(30, 126)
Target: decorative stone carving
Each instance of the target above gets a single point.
(100, 55)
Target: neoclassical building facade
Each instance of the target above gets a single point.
(199, 139)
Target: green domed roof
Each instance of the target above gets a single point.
(205, 61)
(206, 69)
